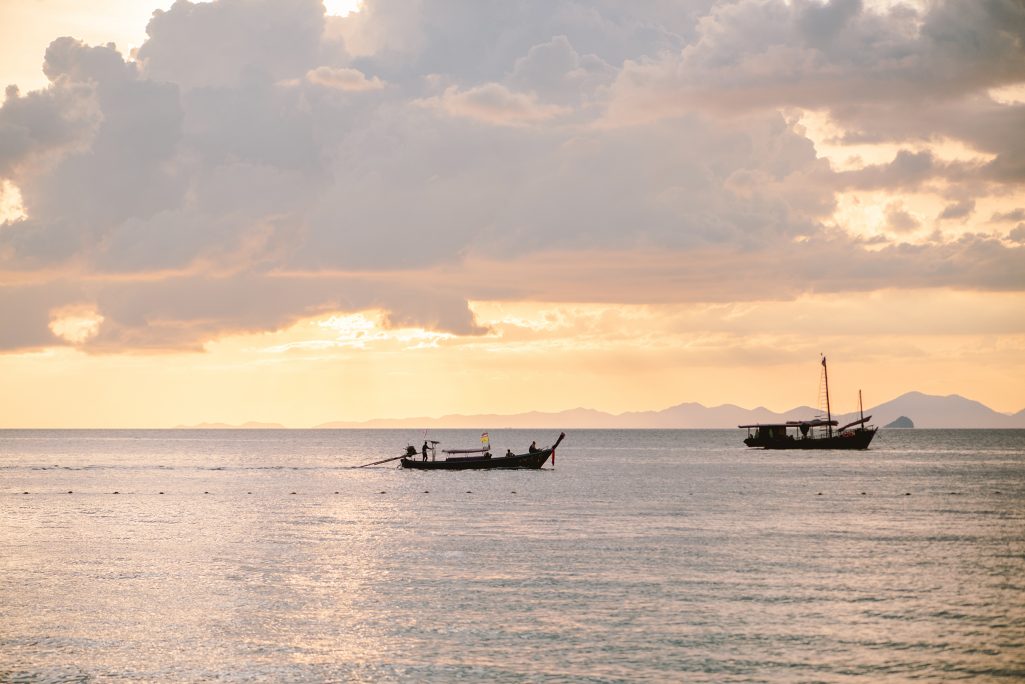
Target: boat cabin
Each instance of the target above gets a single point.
(774, 432)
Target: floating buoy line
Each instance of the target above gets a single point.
(427, 491)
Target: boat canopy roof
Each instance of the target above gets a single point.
(859, 421)
(817, 422)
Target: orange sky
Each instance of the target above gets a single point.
(269, 214)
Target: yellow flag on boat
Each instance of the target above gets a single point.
(485, 440)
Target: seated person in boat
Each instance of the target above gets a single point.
(533, 447)
(508, 452)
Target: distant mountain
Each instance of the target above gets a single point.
(902, 422)
(927, 411)
(953, 411)
(225, 426)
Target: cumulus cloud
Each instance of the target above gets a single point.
(899, 220)
(259, 162)
(343, 78)
(1009, 216)
(224, 43)
(957, 210)
(494, 103)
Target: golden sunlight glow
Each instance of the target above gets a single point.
(341, 8)
(1012, 94)
(75, 324)
(540, 356)
(827, 136)
(905, 215)
(364, 330)
(11, 208)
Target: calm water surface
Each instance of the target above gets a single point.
(642, 556)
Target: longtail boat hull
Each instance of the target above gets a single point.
(532, 461)
(529, 461)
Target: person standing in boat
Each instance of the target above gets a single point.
(424, 450)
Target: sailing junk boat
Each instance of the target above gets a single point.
(481, 459)
(808, 434)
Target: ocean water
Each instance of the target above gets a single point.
(650, 555)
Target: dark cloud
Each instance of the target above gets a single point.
(908, 170)
(1009, 217)
(957, 210)
(899, 220)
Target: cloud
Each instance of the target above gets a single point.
(957, 210)
(556, 71)
(260, 163)
(495, 104)
(343, 78)
(224, 43)
(1009, 216)
(829, 55)
(908, 170)
(899, 220)
(43, 125)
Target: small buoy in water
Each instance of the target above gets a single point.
(206, 492)
(248, 492)
(70, 492)
(117, 492)
(291, 492)
(336, 492)
(863, 493)
(426, 492)
(819, 494)
(160, 492)
(907, 493)
(381, 492)
(24, 492)
(467, 491)
(514, 491)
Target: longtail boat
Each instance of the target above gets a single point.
(815, 433)
(481, 459)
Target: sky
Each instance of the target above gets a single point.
(273, 210)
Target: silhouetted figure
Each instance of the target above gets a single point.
(508, 452)
(533, 447)
(424, 451)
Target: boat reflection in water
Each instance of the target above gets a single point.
(813, 434)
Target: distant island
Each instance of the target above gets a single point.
(930, 411)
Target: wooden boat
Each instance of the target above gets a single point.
(483, 460)
(815, 433)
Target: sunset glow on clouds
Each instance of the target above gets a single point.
(270, 212)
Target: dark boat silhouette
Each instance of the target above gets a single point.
(815, 433)
(483, 460)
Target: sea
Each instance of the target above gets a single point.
(641, 556)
